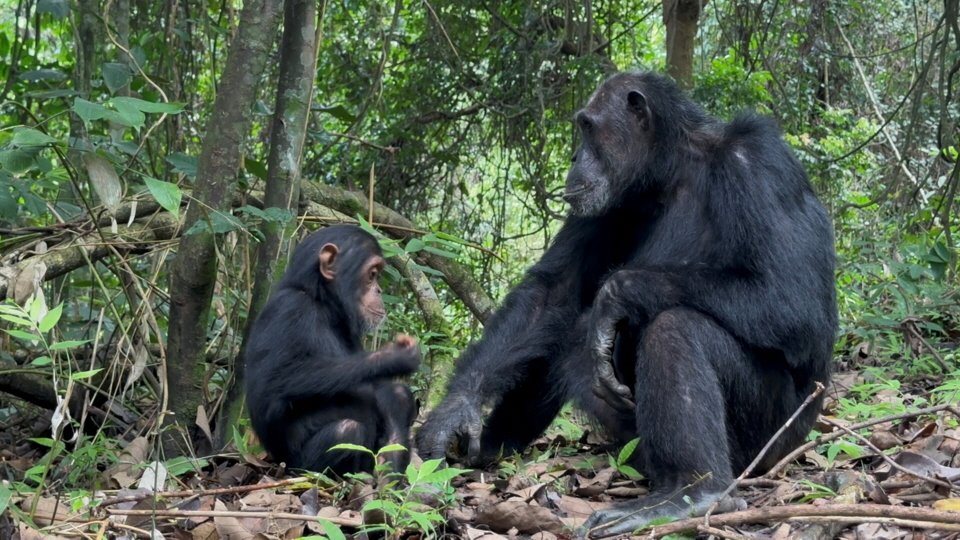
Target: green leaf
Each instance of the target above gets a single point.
(41, 361)
(61, 345)
(16, 161)
(391, 448)
(115, 75)
(426, 269)
(627, 451)
(166, 193)
(31, 137)
(428, 467)
(147, 106)
(414, 245)
(629, 472)
(19, 334)
(222, 223)
(88, 111)
(255, 168)
(51, 318)
(348, 446)
(411, 473)
(85, 374)
(443, 475)
(129, 115)
(36, 75)
(338, 112)
(5, 495)
(181, 465)
(440, 252)
(184, 164)
(16, 320)
(332, 531)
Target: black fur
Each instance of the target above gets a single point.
(697, 261)
(310, 385)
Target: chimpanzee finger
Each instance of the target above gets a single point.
(607, 387)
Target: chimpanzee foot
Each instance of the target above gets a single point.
(631, 515)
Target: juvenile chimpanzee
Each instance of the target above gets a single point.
(693, 282)
(310, 385)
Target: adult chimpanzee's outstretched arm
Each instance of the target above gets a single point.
(524, 328)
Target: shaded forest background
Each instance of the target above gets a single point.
(159, 159)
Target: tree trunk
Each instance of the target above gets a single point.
(298, 68)
(681, 18)
(195, 269)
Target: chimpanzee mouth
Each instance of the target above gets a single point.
(570, 195)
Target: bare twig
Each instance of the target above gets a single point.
(199, 492)
(837, 434)
(180, 514)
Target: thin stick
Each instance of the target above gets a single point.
(887, 458)
(195, 492)
(236, 514)
(837, 434)
(763, 452)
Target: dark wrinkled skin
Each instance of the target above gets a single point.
(689, 300)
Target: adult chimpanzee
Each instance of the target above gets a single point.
(310, 384)
(693, 282)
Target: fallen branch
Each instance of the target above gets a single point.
(183, 514)
(198, 492)
(847, 513)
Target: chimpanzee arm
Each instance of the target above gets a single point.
(331, 376)
(530, 324)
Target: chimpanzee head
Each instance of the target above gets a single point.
(340, 267)
(624, 124)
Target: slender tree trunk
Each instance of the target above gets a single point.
(194, 271)
(682, 20)
(298, 68)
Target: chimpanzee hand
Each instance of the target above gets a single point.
(608, 311)
(455, 419)
(403, 353)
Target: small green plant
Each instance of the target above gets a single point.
(620, 464)
(402, 509)
(817, 491)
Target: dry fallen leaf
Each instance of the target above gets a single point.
(525, 517)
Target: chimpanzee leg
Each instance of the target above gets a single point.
(685, 364)
(397, 410)
(314, 454)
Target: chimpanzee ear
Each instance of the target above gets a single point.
(328, 258)
(638, 104)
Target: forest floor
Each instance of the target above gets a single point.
(887, 478)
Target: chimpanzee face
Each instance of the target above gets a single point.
(617, 139)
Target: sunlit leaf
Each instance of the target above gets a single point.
(166, 193)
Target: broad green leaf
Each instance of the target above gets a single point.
(85, 374)
(184, 164)
(411, 474)
(166, 193)
(630, 472)
(146, 106)
(255, 168)
(128, 113)
(222, 223)
(41, 361)
(181, 465)
(428, 467)
(115, 75)
(16, 161)
(61, 345)
(31, 137)
(443, 475)
(426, 269)
(338, 112)
(332, 531)
(51, 318)
(88, 111)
